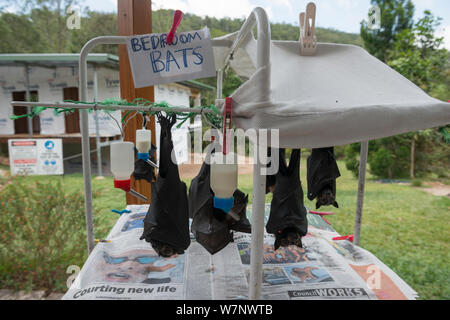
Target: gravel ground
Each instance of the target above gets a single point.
(6, 294)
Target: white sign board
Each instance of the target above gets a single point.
(189, 56)
(36, 156)
(180, 145)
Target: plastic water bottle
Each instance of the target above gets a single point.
(143, 143)
(223, 181)
(122, 164)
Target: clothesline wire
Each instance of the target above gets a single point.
(214, 119)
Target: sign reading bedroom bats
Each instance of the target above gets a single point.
(153, 61)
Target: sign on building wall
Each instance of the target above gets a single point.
(106, 125)
(175, 95)
(52, 123)
(36, 156)
(153, 61)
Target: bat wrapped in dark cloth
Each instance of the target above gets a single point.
(166, 225)
(287, 220)
(143, 170)
(322, 172)
(211, 226)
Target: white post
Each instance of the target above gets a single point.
(97, 129)
(27, 98)
(259, 181)
(84, 124)
(361, 184)
(258, 213)
(219, 84)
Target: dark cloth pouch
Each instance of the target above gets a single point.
(322, 172)
(166, 225)
(143, 170)
(270, 179)
(240, 210)
(287, 210)
(211, 226)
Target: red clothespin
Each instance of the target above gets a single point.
(349, 238)
(227, 124)
(177, 17)
(321, 213)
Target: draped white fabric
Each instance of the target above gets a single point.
(339, 96)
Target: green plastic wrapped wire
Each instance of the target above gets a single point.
(214, 119)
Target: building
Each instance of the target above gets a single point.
(54, 78)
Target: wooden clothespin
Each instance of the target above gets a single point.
(308, 40)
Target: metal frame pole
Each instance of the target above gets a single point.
(259, 17)
(219, 84)
(361, 184)
(86, 106)
(97, 129)
(84, 125)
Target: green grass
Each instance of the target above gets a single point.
(403, 226)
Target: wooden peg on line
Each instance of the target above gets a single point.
(308, 40)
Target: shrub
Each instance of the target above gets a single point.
(416, 183)
(42, 234)
(390, 158)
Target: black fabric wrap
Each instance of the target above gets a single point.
(287, 209)
(270, 179)
(322, 172)
(211, 226)
(167, 220)
(142, 169)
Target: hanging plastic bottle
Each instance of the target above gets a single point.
(143, 143)
(223, 179)
(122, 166)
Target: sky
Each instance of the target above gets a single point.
(343, 15)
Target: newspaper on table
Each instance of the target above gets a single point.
(128, 268)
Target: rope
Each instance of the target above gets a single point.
(214, 119)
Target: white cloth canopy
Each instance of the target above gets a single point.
(340, 95)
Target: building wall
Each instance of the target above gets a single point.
(50, 84)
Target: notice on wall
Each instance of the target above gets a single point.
(153, 61)
(36, 156)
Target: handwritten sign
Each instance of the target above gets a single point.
(153, 61)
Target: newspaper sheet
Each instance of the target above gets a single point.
(128, 268)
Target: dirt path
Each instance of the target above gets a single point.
(437, 189)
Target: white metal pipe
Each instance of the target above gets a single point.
(259, 16)
(257, 243)
(97, 129)
(106, 107)
(361, 184)
(219, 84)
(84, 125)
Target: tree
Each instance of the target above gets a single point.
(414, 51)
(10, 26)
(396, 16)
(418, 55)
